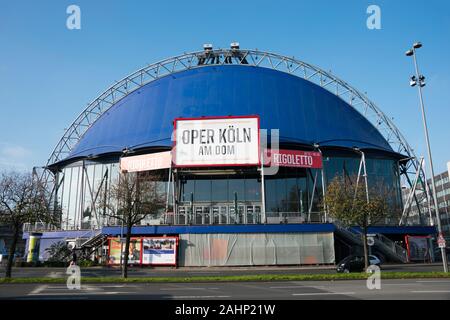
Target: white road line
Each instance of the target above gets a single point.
(199, 297)
(38, 290)
(54, 274)
(432, 281)
(116, 286)
(170, 289)
(296, 287)
(431, 291)
(83, 288)
(206, 272)
(322, 293)
(80, 293)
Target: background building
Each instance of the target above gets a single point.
(443, 197)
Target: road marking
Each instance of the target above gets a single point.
(322, 293)
(78, 293)
(296, 287)
(116, 286)
(199, 297)
(433, 281)
(55, 274)
(431, 291)
(170, 289)
(205, 272)
(38, 290)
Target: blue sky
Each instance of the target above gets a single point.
(48, 73)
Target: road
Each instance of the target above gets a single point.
(205, 271)
(433, 289)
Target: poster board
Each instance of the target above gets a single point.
(418, 248)
(160, 251)
(114, 252)
(145, 251)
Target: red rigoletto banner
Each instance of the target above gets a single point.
(293, 158)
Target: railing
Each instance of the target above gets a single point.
(38, 227)
(382, 242)
(226, 216)
(348, 232)
(399, 251)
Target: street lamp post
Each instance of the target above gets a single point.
(419, 80)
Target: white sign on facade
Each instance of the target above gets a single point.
(226, 141)
(153, 161)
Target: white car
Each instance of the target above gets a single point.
(373, 260)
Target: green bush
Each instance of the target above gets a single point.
(87, 263)
(59, 252)
(55, 264)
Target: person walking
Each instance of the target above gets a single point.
(74, 258)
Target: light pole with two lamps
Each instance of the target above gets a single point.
(419, 80)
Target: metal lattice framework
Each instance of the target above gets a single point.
(256, 58)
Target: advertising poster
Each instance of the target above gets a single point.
(418, 248)
(293, 158)
(160, 251)
(34, 247)
(134, 256)
(217, 141)
(147, 162)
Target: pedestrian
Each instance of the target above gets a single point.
(74, 259)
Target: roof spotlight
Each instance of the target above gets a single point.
(234, 45)
(207, 47)
(417, 45)
(413, 81)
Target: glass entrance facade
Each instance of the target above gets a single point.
(219, 199)
(209, 196)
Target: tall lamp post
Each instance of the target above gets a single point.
(419, 80)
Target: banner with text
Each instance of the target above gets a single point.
(293, 158)
(147, 162)
(225, 141)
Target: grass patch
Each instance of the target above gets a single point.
(263, 277)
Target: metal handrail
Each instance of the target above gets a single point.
(380, 240)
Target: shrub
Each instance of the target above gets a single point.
(59, 252)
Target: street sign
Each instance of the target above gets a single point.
(370, 241)
(441, 241)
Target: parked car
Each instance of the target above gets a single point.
(355, 263)
(438, 254)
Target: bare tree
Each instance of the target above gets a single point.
(133, 197)
(21, 201)
(352, 204)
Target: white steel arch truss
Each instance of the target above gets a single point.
(186, 61)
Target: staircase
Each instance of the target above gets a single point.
(385, 245)
(89, 246)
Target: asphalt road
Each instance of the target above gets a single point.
(205, 271)
(433, 289)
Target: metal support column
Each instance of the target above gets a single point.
(263, 191)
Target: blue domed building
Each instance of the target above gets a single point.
(230, 214)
